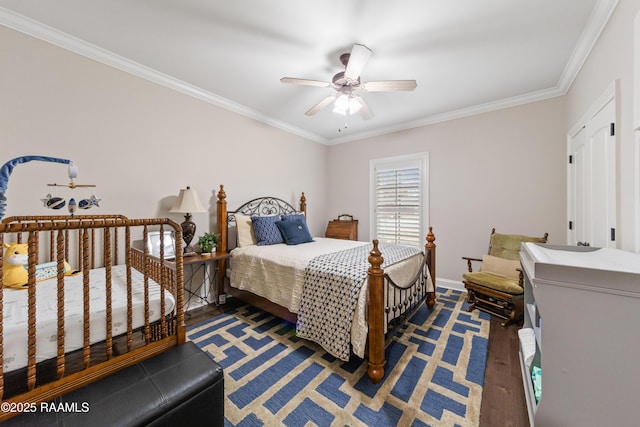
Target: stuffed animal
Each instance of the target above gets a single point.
(14, 273)
(14, 269)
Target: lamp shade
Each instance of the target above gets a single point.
(188, 202)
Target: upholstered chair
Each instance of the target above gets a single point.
(498, 287)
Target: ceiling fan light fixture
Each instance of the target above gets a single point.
(342, 104)
(354, 106)
(346, 103)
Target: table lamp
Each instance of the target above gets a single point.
(188, 202)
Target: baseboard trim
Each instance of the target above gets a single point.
(450, 284)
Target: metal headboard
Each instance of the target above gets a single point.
(262, 206)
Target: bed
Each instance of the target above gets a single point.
(374, 287)
(119, 306)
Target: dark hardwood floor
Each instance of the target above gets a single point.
(503, 402)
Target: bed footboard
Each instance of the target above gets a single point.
(395, 306)
(128, 304)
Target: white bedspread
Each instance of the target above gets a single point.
(276, 272)
(16, 308)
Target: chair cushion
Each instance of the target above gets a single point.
(508, 245)
(494, 281)
(503, 267)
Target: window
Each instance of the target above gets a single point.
(399, 194)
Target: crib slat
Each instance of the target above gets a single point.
(52, 240)
(163, 324)
(93, 248)
(66, 246)
(31, 328)
(129, 261)
(115, 246)
(147, 268)
(108, 291)
(86, 343)
(60, 277)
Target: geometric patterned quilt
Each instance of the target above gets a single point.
(332, 283)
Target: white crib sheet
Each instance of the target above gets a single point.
(16, 308)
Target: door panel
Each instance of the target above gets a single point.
(579, 190)
(592, 199)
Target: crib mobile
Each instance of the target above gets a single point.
(58, 202)
(51, 202)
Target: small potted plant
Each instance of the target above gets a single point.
(208, 243)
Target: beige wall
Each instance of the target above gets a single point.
(504, 169)
(612, 59)
(137, 141)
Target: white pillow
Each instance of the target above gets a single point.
(244, 227)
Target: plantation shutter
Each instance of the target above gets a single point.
(398, 190)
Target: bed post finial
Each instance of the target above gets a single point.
(431, 238)
(303, 204)
(376, 359)
(223, 246)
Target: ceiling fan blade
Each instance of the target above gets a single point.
(365, 111)
(305, 82)
(320, 105)
(359, 56)
(389, 86)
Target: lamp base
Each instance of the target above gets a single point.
(188, 231)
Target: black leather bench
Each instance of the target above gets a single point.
(181, 386)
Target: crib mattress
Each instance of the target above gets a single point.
(16, 308)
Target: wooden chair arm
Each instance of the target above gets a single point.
(469, 265)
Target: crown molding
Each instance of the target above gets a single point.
(457, 114)
(595, 25)
(66, 41)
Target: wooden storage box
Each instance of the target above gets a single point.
(343, 229)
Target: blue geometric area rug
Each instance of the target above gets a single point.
(433, 376)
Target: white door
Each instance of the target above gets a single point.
(592, 172)
(579, 158)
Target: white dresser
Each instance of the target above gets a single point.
(583, 305)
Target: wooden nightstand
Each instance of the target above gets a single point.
(345, 227)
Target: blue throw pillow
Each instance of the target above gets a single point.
(294, 232)
(291, 217)
(266, 230)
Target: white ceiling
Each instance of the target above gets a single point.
(467, 56)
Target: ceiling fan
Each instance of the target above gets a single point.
(347, 82)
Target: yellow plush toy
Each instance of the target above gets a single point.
(14, 273)
(14, 268)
